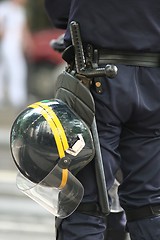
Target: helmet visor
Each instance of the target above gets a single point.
(59, 192)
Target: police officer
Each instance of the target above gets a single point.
(117, 214)
(127, 110)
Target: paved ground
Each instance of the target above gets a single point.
(20, 217)
(7, 116)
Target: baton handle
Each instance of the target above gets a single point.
(109, 70)
(78, 47)
(81, 68)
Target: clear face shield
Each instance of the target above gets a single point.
(59, 192)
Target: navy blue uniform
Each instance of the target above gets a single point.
(127, 112)
(129, 25)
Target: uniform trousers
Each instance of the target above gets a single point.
(128, 120)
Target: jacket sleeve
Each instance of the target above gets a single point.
(58, 12)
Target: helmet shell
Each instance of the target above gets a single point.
(33, 140)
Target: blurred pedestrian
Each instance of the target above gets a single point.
(15, 43)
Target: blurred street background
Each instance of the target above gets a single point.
(20, 217)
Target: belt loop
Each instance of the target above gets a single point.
(89, 55)
(92, 56)
(96, 56)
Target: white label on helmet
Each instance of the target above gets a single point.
(77, 146)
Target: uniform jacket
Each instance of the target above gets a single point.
(111, 24)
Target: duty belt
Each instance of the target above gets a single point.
(105, 56)
(142, 212)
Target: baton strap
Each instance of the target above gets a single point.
(142, 212)
(128, 58)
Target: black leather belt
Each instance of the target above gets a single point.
(142, 212)
(128, 58)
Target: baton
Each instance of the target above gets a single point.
(109, 71)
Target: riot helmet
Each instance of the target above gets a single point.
(50, 144)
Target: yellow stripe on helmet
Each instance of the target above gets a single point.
(53, 127)
(57, 123)
(64, 178)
